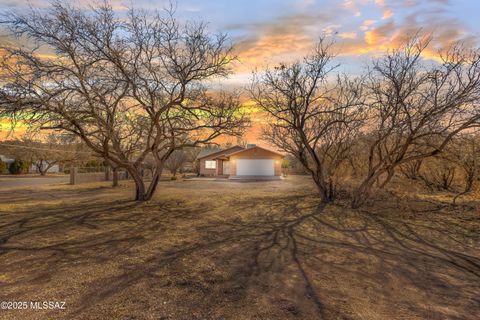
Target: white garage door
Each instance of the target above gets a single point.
(248, 167)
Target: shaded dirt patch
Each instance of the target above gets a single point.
(206, 250)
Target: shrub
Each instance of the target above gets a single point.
(94, 164)
(285, 166)
(18, 167)
(3, 167)
(173, 178)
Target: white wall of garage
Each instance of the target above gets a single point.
(255, 167)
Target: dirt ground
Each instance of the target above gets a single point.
(16, 181)
(219, 250)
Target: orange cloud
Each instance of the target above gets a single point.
(276, 45)
(347, 35)
(287, 38)
(379, 35)
(291, 37)
(389, 35)
(352, 6)
(366, 24)
(270, 49)
(387, 14)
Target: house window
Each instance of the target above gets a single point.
(210, 164)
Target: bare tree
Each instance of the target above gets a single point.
(465, 152)
(456, 168)
(439, 172)
(313, 120)
(416, 108)
(46, 153)
(411, 170)
(192, 154)
(176, 161)
(127, 87)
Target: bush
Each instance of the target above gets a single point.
(3, 167)
(94, 164)
(18, 167)
(173, 178)
(285, 166)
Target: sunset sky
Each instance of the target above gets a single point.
(267, 31)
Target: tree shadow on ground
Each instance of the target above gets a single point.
(255, 257)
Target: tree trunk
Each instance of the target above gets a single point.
(141, 192)
(363, 192)
(359, 198)
(388, 178)
(107, 173)
(139, 184)
(326, 193)
(152, 186)
(40, 168)
(468, 187)
(114, 177)
(155, 179)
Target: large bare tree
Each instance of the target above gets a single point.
(128, 87)
(313, 119)
(416, 108)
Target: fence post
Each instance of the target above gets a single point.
(73, 175)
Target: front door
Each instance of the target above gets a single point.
(226, 167)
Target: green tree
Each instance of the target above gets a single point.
(3, 167)
(18, 167)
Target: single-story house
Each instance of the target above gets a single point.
(7, 161)
(33, 168)
(241, 163)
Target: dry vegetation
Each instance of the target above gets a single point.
(133, 89)
(259, 250)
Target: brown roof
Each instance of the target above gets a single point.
(227, 151)
(240, 151)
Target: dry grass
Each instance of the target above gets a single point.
(215, 250)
